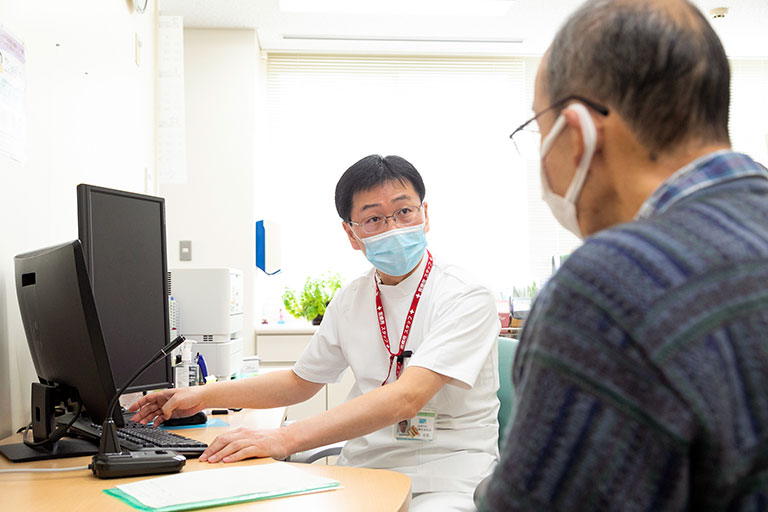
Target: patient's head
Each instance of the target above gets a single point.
(658, 64)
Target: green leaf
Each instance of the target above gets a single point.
(313, 298)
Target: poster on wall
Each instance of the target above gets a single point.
(12, 116)
(172, 135)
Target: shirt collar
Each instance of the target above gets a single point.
(706, 171)
(407, 285)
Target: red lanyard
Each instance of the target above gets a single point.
(408, 321)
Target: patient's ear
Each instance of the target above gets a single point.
(575, 137)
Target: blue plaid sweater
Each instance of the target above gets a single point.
(642, 371)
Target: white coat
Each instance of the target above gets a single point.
(454, 333)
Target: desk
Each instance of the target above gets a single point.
(364, 489)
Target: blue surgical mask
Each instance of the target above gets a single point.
(398, 251)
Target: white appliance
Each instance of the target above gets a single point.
(209, 310)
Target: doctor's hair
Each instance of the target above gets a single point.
(370, 172)
(658, 64)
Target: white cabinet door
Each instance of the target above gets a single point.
(281, 349)
(274, 348)
(311, 407)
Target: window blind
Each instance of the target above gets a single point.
(748, 117)
(449, 116)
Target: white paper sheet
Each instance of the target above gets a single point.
(267, 480)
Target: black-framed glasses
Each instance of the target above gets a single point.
(527, 137)
(403, 216)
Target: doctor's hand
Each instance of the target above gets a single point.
(243, 443)
(169, 403)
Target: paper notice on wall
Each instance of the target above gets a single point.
(172, 134)
(13, 125)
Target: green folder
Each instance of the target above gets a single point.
(225, 486)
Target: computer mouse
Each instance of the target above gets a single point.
(198, 418)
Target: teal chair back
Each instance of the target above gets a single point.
(506, 393)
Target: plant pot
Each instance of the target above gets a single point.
(317, 320)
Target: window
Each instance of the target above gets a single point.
(749, 108)
(450, 117)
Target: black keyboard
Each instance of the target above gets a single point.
(137, 436)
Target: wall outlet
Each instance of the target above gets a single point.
(185, 250)
(149, 181)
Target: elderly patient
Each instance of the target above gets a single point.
(642, 371)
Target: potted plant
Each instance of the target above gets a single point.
(313, 299)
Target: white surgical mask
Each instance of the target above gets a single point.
(564, 208)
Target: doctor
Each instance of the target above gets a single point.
(421, 342)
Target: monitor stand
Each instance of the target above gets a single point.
(44, 397)
(62, 448)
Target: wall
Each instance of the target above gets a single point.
(214, 207)
(90, 118)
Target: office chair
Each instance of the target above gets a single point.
(506, 394)
(310, 456)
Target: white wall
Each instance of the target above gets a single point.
(90, 118)
(214, 208)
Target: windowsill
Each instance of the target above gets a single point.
(285, 329)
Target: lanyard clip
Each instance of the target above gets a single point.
(401, 357)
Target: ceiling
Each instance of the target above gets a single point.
(442, 27)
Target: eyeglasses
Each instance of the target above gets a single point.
(404, 216)
(527, 137)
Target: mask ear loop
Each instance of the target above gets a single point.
(546, 145)
(589, 132)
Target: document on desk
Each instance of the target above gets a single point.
(208, 488)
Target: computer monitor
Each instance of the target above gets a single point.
(64, 338)
(123, 238)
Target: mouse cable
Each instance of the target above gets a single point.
(57, 434)
(45, 470)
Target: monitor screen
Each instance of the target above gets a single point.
(62, 326)
(123, 238)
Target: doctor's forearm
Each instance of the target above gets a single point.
(363, 415)
(367, 413)
(274, 389)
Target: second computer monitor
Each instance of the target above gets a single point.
(62, 327)
(123, 237)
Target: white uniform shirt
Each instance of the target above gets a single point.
(454, 333)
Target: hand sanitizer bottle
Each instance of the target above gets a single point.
(185, 374)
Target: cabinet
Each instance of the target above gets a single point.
(279, 347)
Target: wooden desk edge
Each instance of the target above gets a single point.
(360, 484)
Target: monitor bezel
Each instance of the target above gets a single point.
(84, 223)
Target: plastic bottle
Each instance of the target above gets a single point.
(186, 373)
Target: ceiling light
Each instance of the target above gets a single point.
(404, 39)
(400, 7)
(718, 13)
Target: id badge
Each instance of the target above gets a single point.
(419, 428)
